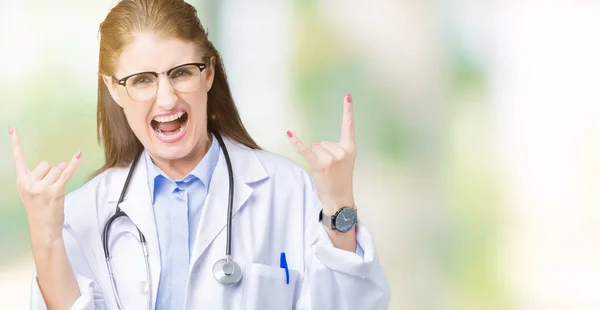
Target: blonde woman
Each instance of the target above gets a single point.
(187, 212)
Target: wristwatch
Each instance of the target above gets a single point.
(343, 220)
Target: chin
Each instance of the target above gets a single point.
(171, 150)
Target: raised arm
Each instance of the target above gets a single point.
(42, 192)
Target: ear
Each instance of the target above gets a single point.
(210, 72)
(113, 88)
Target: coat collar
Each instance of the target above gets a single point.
(137, 203)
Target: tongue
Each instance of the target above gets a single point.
(169, 126)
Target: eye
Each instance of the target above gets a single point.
(181, 72)
(142, 79)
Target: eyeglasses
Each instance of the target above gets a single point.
(143, 86)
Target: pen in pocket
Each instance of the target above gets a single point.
(283, 264)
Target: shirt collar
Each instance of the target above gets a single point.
(203, 171)
(206, 166)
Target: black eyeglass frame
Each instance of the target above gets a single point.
(123, 81)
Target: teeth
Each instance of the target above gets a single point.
(169, 118)
(160, 133)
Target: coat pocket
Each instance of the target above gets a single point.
(265, 288)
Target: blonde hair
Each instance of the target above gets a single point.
(167, 18)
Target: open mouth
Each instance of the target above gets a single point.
(169, 126)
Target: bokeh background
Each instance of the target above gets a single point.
(478, 129)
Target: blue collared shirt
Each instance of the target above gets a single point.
(177, 208)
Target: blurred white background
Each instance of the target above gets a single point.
(478, 129)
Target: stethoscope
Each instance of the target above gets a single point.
(225, 270)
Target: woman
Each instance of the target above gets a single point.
(168, 125)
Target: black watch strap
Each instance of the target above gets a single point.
(327, 220)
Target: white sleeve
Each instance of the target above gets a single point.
(84, 302)
(335, 278)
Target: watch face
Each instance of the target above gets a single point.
(345, 220)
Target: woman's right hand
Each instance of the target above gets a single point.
(42, 192)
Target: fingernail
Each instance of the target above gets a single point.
(289, 133)
(78, 155)
(10, 130)
(349, 98)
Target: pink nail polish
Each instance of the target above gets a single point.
(10, 130)
(289, 133)
(349, 98)
(78, 155)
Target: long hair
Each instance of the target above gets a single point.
(166, 18)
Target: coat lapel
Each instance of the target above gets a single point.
(138, 207)
(246, 170)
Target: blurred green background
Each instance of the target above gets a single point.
(464, 135)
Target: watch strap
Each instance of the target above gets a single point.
(328, 221)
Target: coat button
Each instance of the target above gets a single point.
(144, 288)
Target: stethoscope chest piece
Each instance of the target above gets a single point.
(226, 271)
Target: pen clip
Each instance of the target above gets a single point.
(283, 264)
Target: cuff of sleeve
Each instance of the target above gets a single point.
(84, 302)
(356, 264)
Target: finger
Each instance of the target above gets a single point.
(324, 157)
(69, 171)
(347, 133)
(54, 174)
(17, 152)
(308, 155)
(63, 166)
(40, 171)
(334, 149)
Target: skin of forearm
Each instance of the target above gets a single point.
(55, 275)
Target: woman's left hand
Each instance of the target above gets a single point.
(332, 164)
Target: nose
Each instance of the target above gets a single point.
(166, 97)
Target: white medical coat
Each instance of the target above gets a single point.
(275, 210)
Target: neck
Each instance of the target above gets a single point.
(176, 169)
